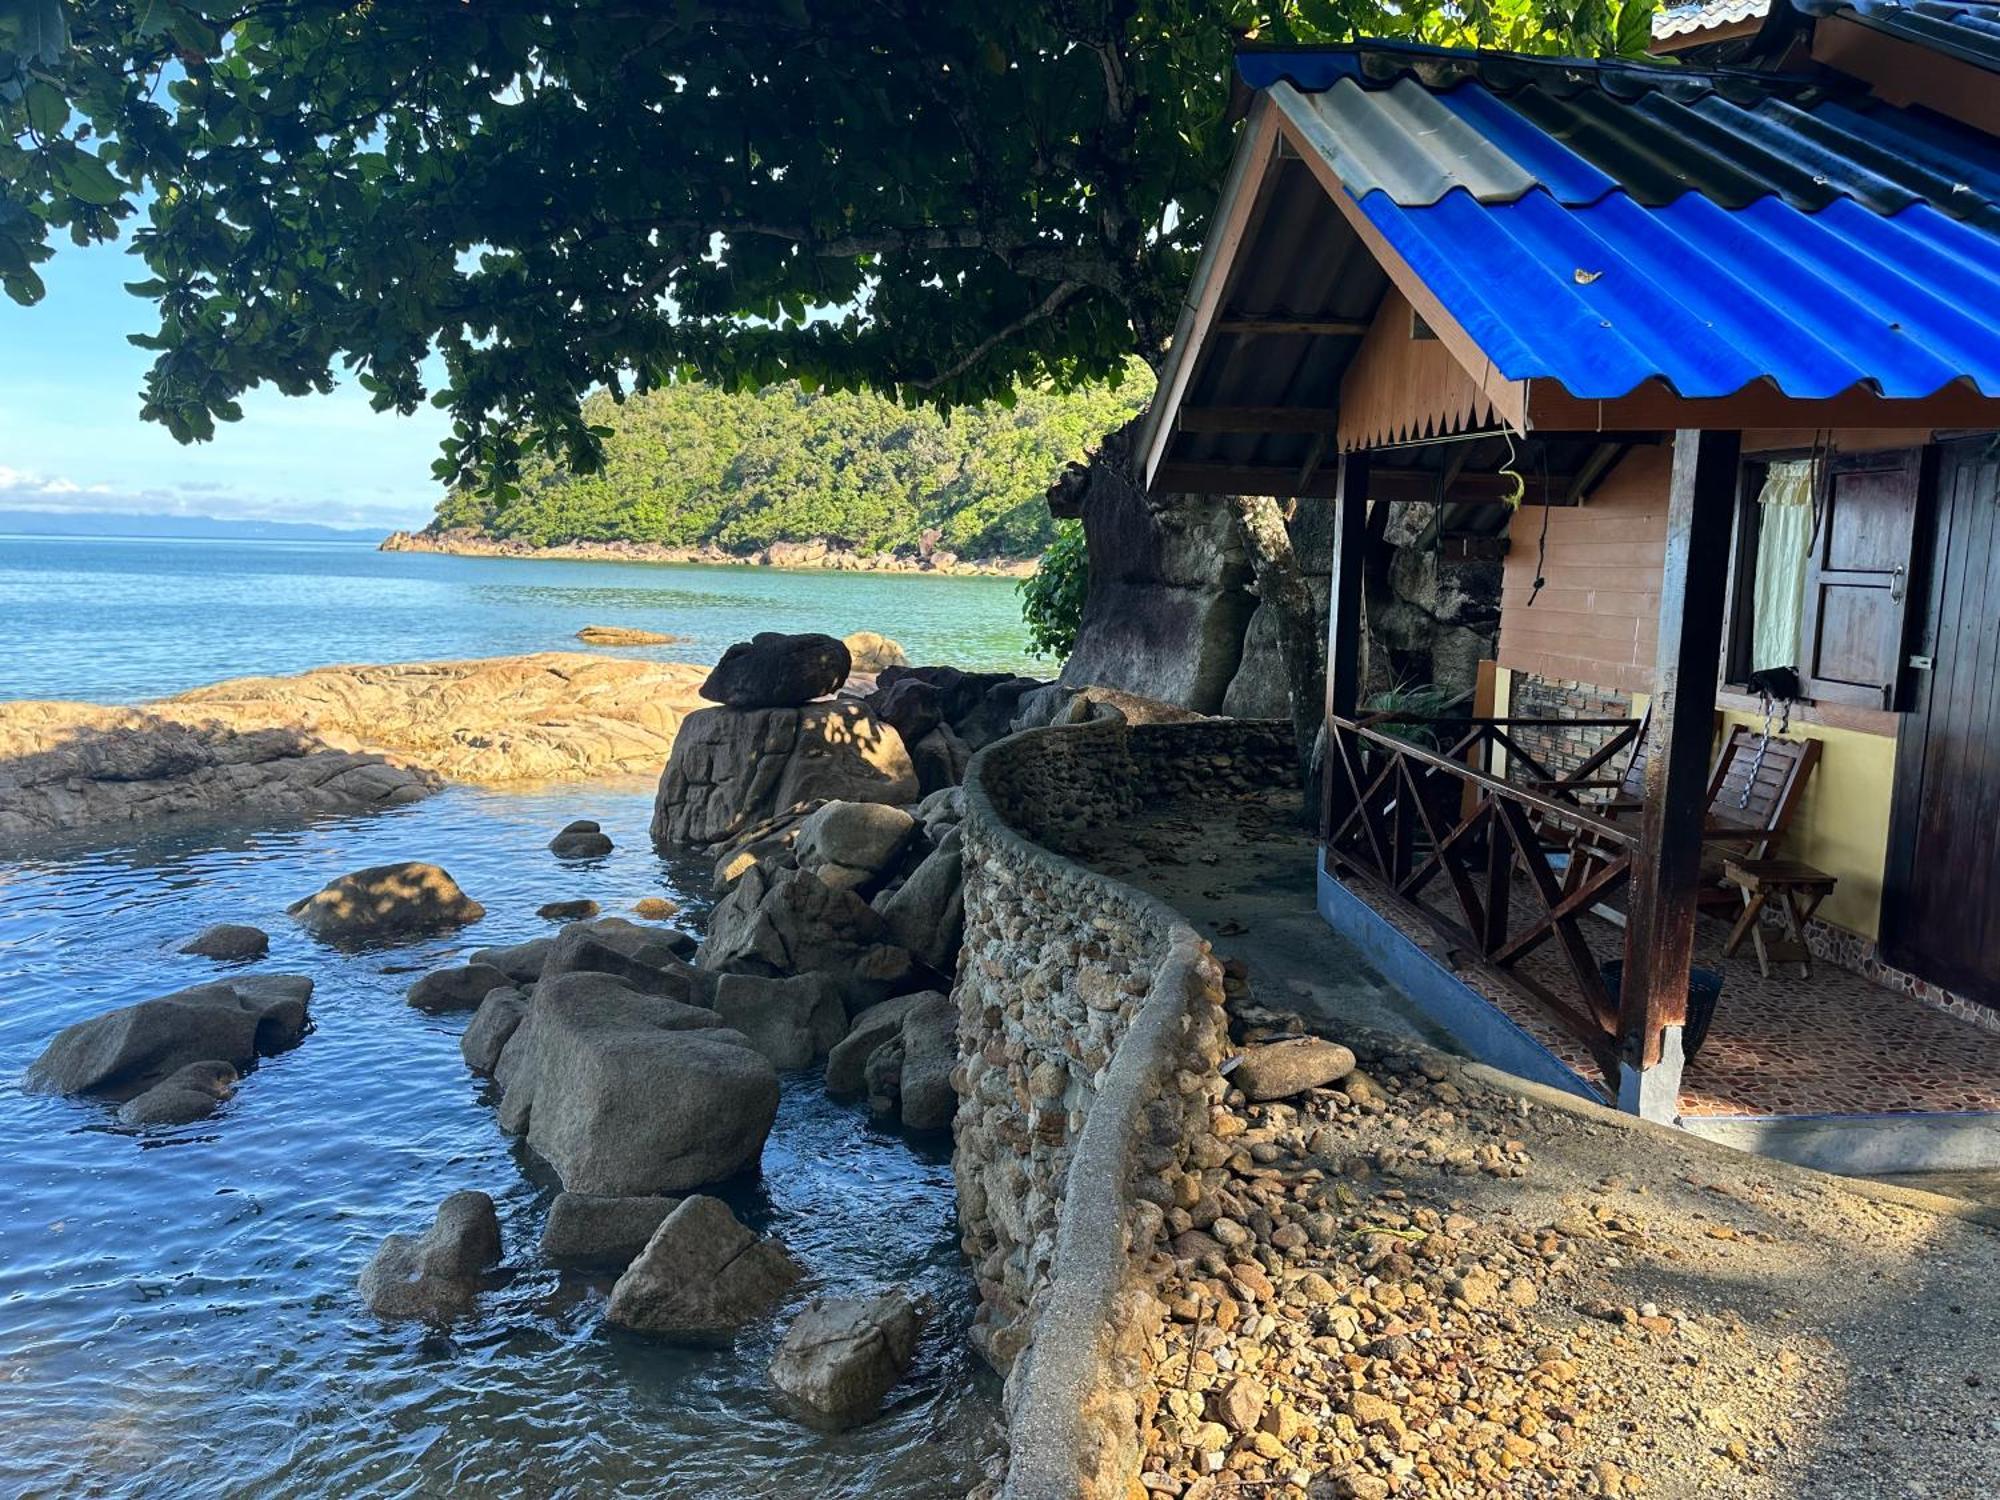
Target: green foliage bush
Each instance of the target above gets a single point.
(692, 464)
(1052, 596)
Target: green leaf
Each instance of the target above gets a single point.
(48, 110)
(82, 175)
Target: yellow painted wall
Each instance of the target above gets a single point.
(1842, 822)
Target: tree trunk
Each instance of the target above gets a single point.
(1283, 589)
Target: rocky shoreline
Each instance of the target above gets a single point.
(816, 555)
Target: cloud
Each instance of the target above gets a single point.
(25, 489)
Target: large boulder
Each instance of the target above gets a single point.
(386, 901)
(1278, 1070)
(191, 1093)
(771, 670)
(850, 844)
(650, 959)
(628, 1093)
(930, 1052)
(841, 1356)
(231, 942)
(701, 1277)
(593, 1232)
(992, 717)
(581, 839)
(926, 913)
(492, 1026)
(520, 962)
(869, 651)
(460, 988)
(911, 706)
(874, 1028)
(126, 1051)
(436, 1277)
(940, 758)
(791, 1021)
(732, 769)
(791, 922)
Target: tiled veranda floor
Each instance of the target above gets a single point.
(1831, 1044)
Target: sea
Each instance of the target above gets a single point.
(178, 1313)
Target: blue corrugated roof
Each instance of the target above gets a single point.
(1706, 231)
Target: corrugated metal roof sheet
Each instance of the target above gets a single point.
(1704, 230)
(1673, 20)
(1963, 29)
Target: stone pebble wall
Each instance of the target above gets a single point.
(1090, 1033)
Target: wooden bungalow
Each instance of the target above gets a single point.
(1717, 352)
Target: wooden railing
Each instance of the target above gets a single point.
(1446, 834)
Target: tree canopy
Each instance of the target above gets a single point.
(935, 201)
(691, 464)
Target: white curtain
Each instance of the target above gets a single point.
(1784, 537)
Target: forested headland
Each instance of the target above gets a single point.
(695, 466)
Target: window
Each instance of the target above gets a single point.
(1774, 530)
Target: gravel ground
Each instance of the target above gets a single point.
(1415, 1283)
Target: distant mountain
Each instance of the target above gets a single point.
(123, 523)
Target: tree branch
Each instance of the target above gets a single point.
(1046, 308)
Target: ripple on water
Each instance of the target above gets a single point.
(177, 1312)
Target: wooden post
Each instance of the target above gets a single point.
(1666, 866)
(1344, 646)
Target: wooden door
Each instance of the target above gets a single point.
(1941, 890)
(1858, 581)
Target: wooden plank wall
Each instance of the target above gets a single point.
(1597, 617)
(1400, 388)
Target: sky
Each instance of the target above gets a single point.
(71, 438)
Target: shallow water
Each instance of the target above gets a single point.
(114, 620)
(178, 1313)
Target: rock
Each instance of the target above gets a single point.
(582, 839)
(386, 901)
(701, 1277)
(882, 1077)
(435, 1277)
(1239, 1406)
(940, 759)
(650, 959)
(732, 769)
(930, 1051)
(849, 844)
(942, 809)
(926, 913)
(771, 670)
(571, 911)
(841, 1356)
(229, 941)
(653, 908)
(793, 923)
(992, 717)
(1278, 1070)
(128, 1050)
(590, 1231)
(791, 1021)
(870, 652)
(871, 1030)
(910, 706)
(499, 1014)
(191, 1093)
(629, 1093)
(624, 635)
(462, 988)
(520, 962)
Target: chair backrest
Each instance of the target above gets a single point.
(1756, 785)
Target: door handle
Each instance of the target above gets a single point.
(1896, 584)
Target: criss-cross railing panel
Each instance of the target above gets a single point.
(1415, 818)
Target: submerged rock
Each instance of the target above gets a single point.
(498, 1017)
(567, 911)
(128, 1050)
(230, 941)
(841, 1356)
(791, 1021)
(655, 908)
(520, 962)
(771, 670)
(593, 1231)
(191, 1093)
(581, 839)
(386, 901)
(461, 988)
(623, 635)
(733, 768)
(701, 1277)
(437, 1276)
(626, 1093)
(1277, 1070)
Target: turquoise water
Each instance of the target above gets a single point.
(178, 1314)
(115, 620)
